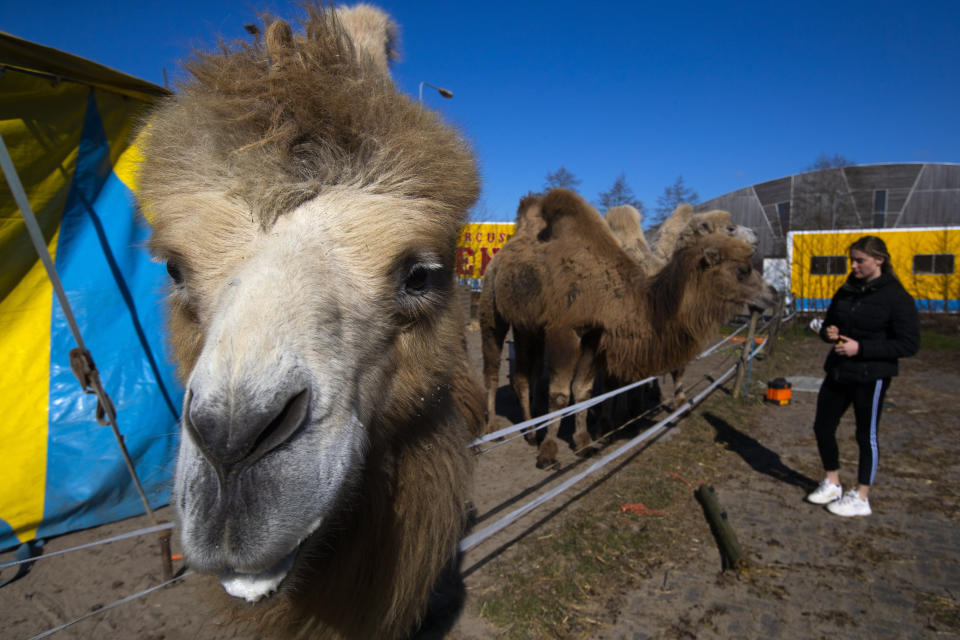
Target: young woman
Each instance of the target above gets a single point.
(871, 322)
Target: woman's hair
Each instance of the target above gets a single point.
(876, 249)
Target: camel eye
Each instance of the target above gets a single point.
(174, 270)
(422, 278)
(418, 280)
(743, 272)
(423, 285)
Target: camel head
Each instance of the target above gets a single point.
(724, 266)
(715, 221)
(307, 213)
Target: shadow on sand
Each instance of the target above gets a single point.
(759, 457)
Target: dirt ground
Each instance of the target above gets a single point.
(808, 574)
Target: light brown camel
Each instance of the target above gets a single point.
(308, 214)
(574, 287)
(681, 228)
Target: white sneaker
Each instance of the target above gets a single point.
(851, 504)
(826, 492)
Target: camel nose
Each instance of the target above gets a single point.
(234, 432)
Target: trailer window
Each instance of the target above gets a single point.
(933, 263)
(828, 265)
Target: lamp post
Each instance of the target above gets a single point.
(446, 93)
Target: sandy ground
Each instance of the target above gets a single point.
(895, 574)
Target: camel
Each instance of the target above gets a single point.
(680, 229)
(574, 287)
(308, 213)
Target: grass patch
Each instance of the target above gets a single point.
(942, 614)
(938, 341)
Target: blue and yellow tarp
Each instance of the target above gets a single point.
(67, 124)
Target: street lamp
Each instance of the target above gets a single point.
(446, 93)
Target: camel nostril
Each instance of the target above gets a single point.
(241, 435)
(282, 427)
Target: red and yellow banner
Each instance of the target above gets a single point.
(479, 242)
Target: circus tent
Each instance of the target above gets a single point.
(66, 123)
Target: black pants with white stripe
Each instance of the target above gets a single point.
(833, 400)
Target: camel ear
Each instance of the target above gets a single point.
(712, 256)
(373, 33)
(279, 41)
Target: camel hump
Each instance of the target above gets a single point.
(562, 207)
(373, 33)
(529, 220)
(625, 219)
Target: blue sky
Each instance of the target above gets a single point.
(724, 94)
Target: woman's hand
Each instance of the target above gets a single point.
(846, 346)
(832, 333)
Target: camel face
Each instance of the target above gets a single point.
(302, 327)
(731, 277)
(308, 214)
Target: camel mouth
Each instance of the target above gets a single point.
(254, 586)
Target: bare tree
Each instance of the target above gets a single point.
(561, 178)
(618, 194)
(673, 196)
(823, 161)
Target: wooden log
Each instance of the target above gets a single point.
(730, 554)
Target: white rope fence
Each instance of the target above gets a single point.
(122, 536)
(479, 536)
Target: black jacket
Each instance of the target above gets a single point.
(882, 317)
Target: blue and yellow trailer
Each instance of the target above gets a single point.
(923, 258)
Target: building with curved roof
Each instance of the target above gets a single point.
(871, 196)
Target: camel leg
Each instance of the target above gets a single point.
(584, 376)
(679, 396)
(562, 347)
(526, 348)
(493, 330)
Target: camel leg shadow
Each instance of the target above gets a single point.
(759, 457)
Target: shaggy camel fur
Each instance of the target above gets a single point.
(574, 287)
(308, 214)
(682, 228)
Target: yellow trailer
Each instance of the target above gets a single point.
(923, 258)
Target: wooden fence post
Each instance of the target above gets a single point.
(745, 355)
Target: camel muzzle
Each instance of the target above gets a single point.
(233, 432)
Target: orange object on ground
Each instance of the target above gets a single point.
(779, 391)
(641, 510)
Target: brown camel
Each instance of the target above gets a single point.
(574, 287)
(308, 214)
(681, 228)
